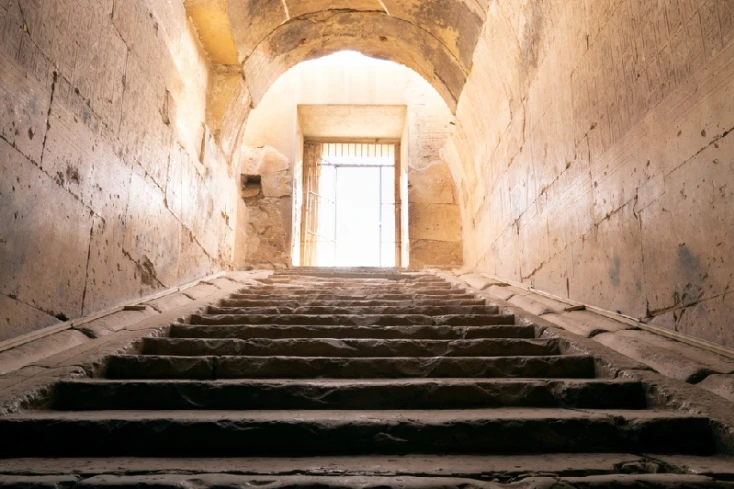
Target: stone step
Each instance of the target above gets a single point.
(97, 394)
(251, 294)
(319, 282)
(349, 347)
(394, 274)
(177, 480)
(352, 291)
(236, 367)
(377, 332)
(355, 319)
(287, 302)
(478, 467)
(339, 432)
(402, 282)
(352, 310)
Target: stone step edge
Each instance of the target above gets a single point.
(212, 480)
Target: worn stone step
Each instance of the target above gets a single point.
(340, 296)
(350, 347)
(298, 433)
(394, 274)
(354, 310)
(441, 288)
(355, 319)
(237, 481)
(352, 291)
(98, 394)
(287, 302)
(622, 481)
(361, 282)
(378, 332)
(480, 467)
(235, 367)
(176, 480)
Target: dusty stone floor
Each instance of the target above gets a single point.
(363, 378)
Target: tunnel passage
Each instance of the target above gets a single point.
(590, 148)
(350, 100)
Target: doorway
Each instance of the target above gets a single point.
(351, 204)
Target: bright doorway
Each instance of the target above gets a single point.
(351, 204)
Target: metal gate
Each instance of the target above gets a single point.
(328, 235)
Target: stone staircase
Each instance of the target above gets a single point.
(353, 378)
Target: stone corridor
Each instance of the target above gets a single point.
(559, 182)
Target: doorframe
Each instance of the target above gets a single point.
(398, 186)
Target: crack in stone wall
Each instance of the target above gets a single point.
(103, 200)
(598, 171)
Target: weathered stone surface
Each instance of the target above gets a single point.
(718, 467)
(285, 303)
(661, 359)
(115, 322)
(355, 319)
(720, 384)
(398, 390)
(435, 222)
(351, 347)
(714, 362)
(19, 318)
(399, 309)
(348, 394)
(200, 291)
(538, 304)
(268, 232)
(170, 301)
(586, 323)
(38, 482)
(325, 331)
(600, 181)
(653, 481)
(30, 273)
(106, 433)
(474, 466)
(431, 185)
(229, 367)
(278, 184)
(265, 160)
(95, 102)
(479, 282)
(432, 253)
(506, 292)
(28, 353)
(170, 481)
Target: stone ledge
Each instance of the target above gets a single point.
(538, 304)
(672, 358)
(30, 381)
(115, 322)
(586, 323)
(79, 332)
(663, 390)
(169, 302)
(16, 358)
(722, 385)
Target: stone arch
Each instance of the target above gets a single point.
(435, 38)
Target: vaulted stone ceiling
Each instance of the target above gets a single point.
(436, 38)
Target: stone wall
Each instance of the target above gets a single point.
(434, 215)
(595, 139)
(112, 187)
(434, 219)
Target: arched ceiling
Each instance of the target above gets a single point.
(436, 38)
